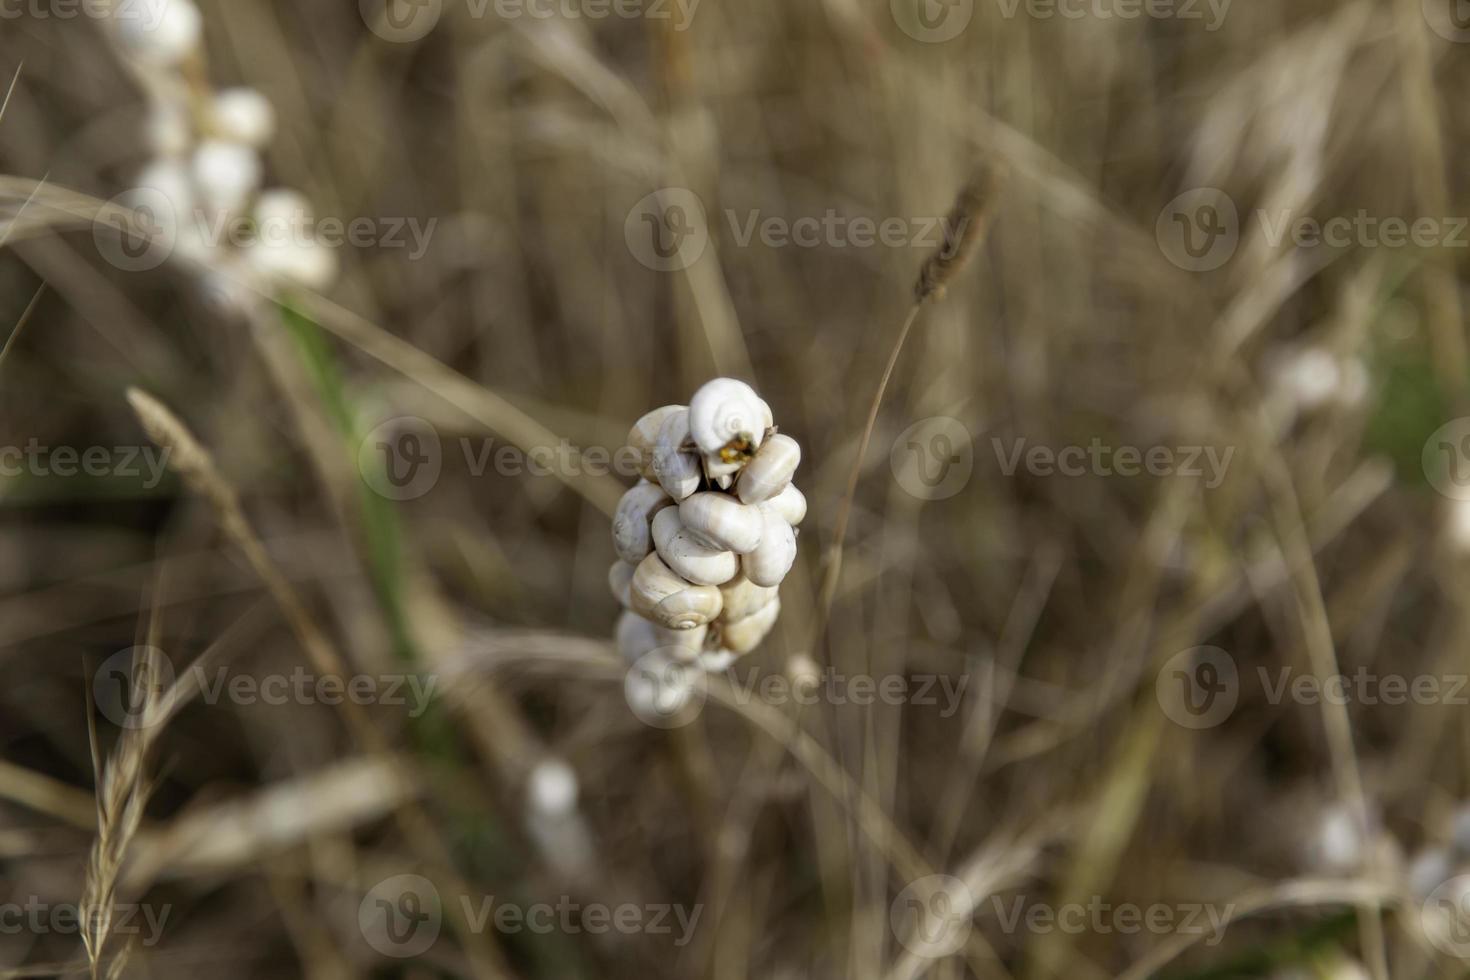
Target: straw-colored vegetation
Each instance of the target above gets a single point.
(990, 684)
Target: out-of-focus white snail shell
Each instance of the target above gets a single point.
(552, 788)
(789, 503)
(171, 179)
(619, 577)
(644, 433)
(660, 595)
(725, 410)
(768, 564)
(632, 534)
(168, 128)
(634, 636)
(159, 36)
(304, 262)
(721, 521)
(742, 597)
(715, 661)
(687, 556)
(243, 115)
(744, 635)
(682, 645)
(283, 213)
(675, 467)
(770, 471)
(225, 173)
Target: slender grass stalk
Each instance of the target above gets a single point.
(964, 228)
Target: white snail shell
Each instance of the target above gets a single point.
(715, 661)
(281, 212)
(634, 636)
(172, 181)
(676, 468)
(632, 535)
(743, 597)
(619, 577)
(283, 246)
(770, 471)
(660, 595)
(161, 37)
(725, 412)
(687, 556)
(789, 503)
(225, 173)
(243, 115)
(644, 433)
(721, 521)
(302, 261)
(744, 635)
(682, 645)
(768, 564)
(169, 130)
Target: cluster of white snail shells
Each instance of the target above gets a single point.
(706, 537)
(206, 169)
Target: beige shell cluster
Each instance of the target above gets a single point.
(707, 535)
(205, 175)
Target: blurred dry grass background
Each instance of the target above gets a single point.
(1056, 599)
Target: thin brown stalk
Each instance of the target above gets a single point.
(193, 462)
(964, 229)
